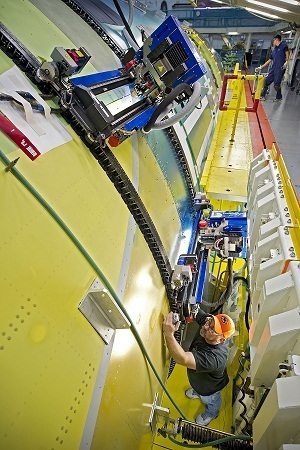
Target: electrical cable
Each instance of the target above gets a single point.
(117, 5)
(177, 90)
(226, 294)
(156, 124)
(265, 394)
(240, 400)
(240, 278)
(130, 18)
(218, 277)
(248, 302)
(131, 42)
(192, 102)
(219, 302)
(262, 400)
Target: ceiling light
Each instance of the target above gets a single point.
(217, 1)
(233, 33)
(256, 11)
(291, 2)
(265, 5)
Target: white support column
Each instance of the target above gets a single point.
(248, 42)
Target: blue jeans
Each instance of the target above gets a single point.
(212, 402)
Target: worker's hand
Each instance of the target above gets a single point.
(169, 327)
(257, 69)
(284, 66)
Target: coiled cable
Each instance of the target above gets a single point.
(240, 400)
(209, 437)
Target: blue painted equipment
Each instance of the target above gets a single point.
(162, 71)
(172, 55)
(223, 232)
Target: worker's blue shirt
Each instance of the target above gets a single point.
(278, 55)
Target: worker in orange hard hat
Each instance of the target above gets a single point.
(223, 324)
(205, 361)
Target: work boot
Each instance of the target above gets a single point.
(204, 419)
(190, 393)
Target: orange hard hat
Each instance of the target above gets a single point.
(224, 325)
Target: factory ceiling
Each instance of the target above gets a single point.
(285, 10)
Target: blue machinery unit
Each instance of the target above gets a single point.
(159, 73)
(224, 232)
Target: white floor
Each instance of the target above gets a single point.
(284, 118)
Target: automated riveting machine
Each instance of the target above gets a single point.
(161, 73)
(222, 232)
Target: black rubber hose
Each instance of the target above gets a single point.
(116, 3)
(261, 402)
(166, 102)
(235, 279)
(248, 301)
(226, 294)
(247, 311)
(239, 278)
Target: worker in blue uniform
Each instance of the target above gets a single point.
(205, 361)
(279, 57)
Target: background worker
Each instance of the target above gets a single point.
(280, 57)
(205, 361)
(296, 75)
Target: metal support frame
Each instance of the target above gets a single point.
(157, 414)
(240, 79)
(102, 311)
